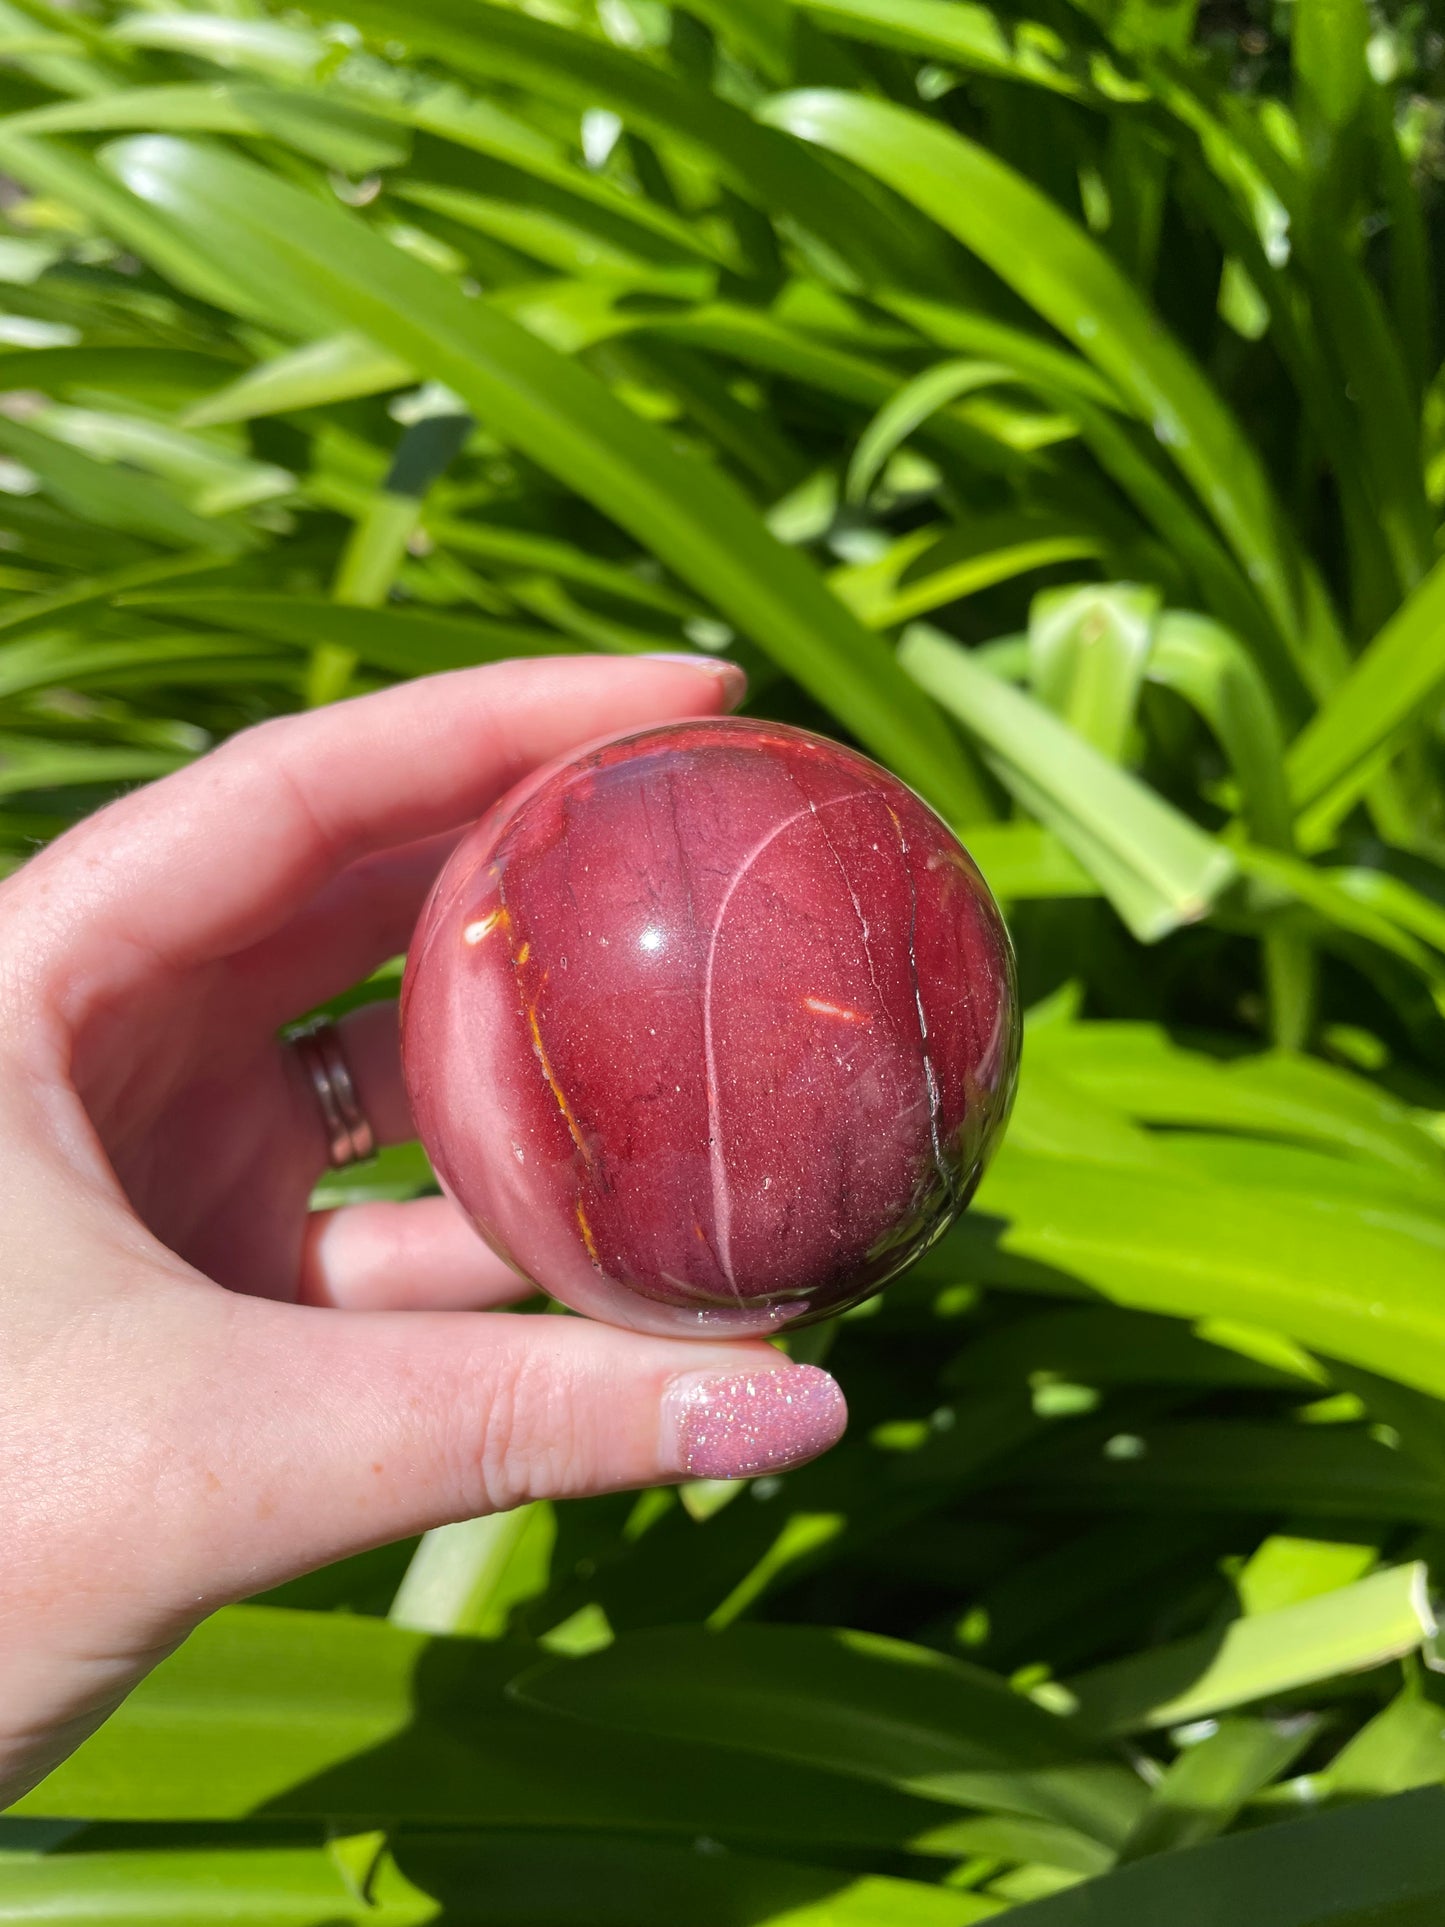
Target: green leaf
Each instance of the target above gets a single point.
(1053, 1114)
(1339, 1276)
(397, 1172)
(1281, 1167)
(337, 135)
(1233, 1465)
(1384, 413)
(337, 368)
(1382, 1866)
(1007, 1837)
(284, 51)
(565, 240)
(408, 642)
(332, 132)
(925, 569)
(1099, 1345)
(78, 662)
(1327, 42)
(132, 373)
(1211, 1780)
(83, 599)
(1211, 669)
(1355, 1628)
(577, 1880)
(528, 553)
(1359, 905)
(601, 1882)
(32, 763)
(376, 550)
(532, 166)
(907, 410)
(1151, 1076)
(1155, 866)
(1287, 1568)
(971, 36)
(1402, 1747)
(207, 475)
(1391, 897)
(463, 1578)
(1023, 860)
(763, 341)
(1398, 674)
(1057, 371)
(270, 1886)
(1088, 651)
(878, 1709)
(72, 178)
(98, 491)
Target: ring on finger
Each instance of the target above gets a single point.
(319, 1050)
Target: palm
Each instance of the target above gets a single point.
(213, 1136)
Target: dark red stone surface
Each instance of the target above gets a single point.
(710, 1029)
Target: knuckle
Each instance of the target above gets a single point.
(270, 753)
(530, 1445)
(256, 760)
(234, 767)
(255, 740)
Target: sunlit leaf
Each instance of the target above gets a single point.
(1158, 869)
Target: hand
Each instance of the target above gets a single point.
(203, 1389)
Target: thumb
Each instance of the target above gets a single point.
(367, 1427)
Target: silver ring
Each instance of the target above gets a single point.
(349, 1137)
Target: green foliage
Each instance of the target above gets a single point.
(1053, 403)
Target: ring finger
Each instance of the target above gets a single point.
(389, 1256)
(421, 1256)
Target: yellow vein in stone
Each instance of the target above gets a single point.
(587, 1238)
(518, 957)
(561, 1096)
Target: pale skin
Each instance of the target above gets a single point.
(206, 1389)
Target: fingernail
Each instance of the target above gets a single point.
(734, 682)
(734, 1425)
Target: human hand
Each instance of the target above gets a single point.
(205, 1390)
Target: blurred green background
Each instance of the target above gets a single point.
(1049, 400)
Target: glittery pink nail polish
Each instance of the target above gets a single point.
(733, 1426)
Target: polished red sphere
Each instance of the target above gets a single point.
(711, 1028)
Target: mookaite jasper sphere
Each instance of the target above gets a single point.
(710, 1029)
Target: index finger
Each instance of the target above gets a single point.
(220, 855)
